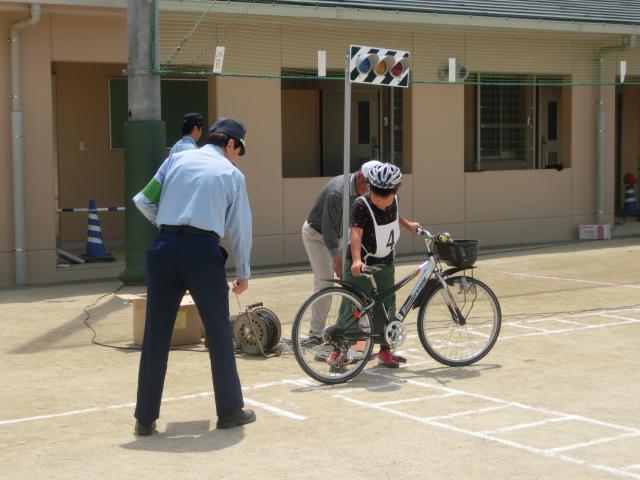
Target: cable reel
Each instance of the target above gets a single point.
(257, 330)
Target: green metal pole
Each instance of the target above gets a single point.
(144, 151)
(144, 134)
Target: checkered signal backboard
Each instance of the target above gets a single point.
(399, 58)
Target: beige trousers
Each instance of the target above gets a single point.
(322, 267)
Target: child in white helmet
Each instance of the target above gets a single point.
(375, 229)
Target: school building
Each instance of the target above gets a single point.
(527, 139)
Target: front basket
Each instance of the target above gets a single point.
(458, 253)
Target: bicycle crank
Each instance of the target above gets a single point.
(395, 334)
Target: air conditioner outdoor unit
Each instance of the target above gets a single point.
(462, 73)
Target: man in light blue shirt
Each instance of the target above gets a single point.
(195, 198)
(192, 124)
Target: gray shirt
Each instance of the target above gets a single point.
(326, 213)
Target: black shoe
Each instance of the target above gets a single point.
(144, 429)
(235, 419)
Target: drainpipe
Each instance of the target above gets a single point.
(17, 145)
(628, 43)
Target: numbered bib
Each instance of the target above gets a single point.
(386, 235)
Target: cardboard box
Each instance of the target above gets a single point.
(188, 324)
(594, 232)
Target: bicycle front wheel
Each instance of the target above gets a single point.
(459, 343)
(331, 336)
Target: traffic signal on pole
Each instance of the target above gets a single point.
(379, 66)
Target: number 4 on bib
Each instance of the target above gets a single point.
(391, 242)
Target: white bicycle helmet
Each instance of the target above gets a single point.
(385, 176)
(366, 167)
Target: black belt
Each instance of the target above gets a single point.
(188, 229)
(314, 227)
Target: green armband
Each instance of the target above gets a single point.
(152, 191)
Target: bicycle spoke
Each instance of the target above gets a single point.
(333, 320)
(442, 335)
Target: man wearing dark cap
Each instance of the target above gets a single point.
(192, 125)
(195, 198)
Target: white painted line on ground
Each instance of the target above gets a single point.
(565, 330)
(547, 277)
(633, 467)
(592, 442)
(466, 413)
(604, 311)
(410, 400)
(619, 317)
(506, 402)
(65, 414)
(571, 322)
(520, 426)
(519, 446)
(519, 325)
(258, 386)
(275, 410)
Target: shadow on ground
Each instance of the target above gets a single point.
(183, 437)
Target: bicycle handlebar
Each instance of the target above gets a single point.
(438, 237)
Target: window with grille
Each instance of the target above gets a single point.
(514, 122)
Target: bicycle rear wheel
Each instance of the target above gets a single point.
(445, 339)
(345, 345)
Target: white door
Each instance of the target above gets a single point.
(365, 127)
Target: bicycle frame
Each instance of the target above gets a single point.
(426, 270)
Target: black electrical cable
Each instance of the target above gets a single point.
(281, 346)
(87, 317)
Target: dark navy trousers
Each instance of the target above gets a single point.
(177, 262)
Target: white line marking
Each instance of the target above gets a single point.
(592, 442)
(564, 330)
(520, 426)
(466, 413)
(546, 277)
(516, 324)
(570, 322)
(416, 399)
(258, 386)
(498, 400)
(270, 408)
(65, 414)
(489, 438)
(633, 467)
(619, 317)
(275, 410)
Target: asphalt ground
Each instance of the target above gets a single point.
(556, 398)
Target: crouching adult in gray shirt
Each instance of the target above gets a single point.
(321, 234)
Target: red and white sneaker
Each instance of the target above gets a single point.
(399, 358)
(386, 359)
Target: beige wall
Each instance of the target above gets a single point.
(438, 154)
(55, 37)
(257, 103)
(38, 161)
